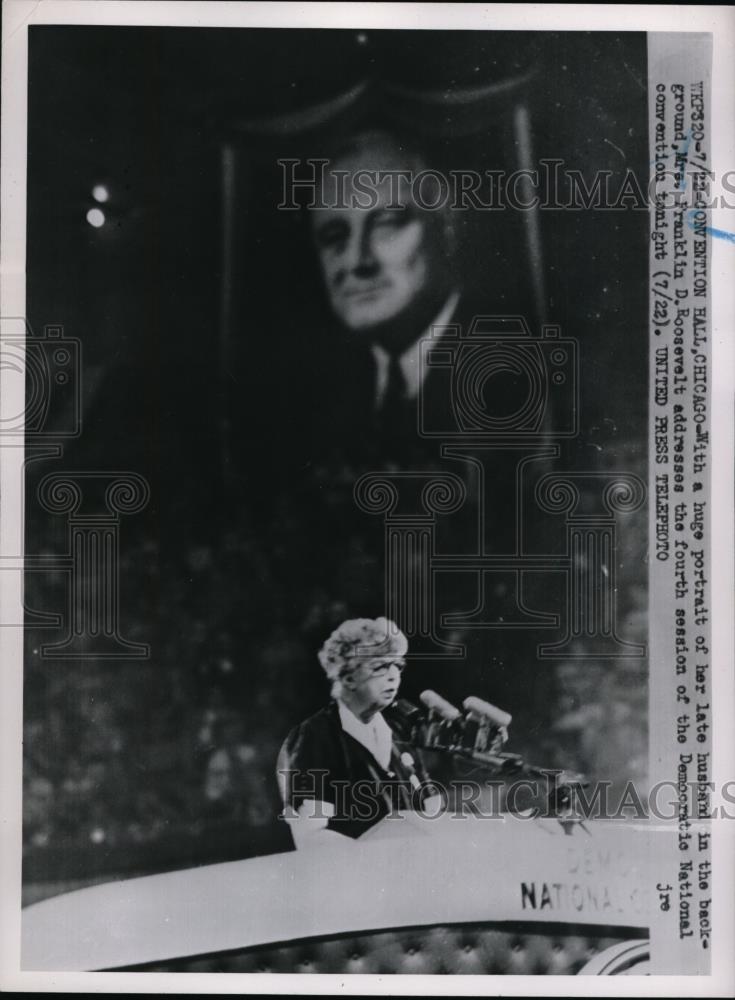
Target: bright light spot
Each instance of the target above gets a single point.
(100, 193)
(96, 217)
(361, 38)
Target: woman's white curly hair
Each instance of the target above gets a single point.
(358, 640)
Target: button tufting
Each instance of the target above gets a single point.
(487, 949)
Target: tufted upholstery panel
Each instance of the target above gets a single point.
(460, 949)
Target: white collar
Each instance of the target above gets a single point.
(414, 371)
(376, 735)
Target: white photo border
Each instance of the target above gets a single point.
(18, 16)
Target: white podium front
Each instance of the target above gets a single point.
(408, 872)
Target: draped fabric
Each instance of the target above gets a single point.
(446, 111)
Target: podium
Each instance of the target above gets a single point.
(453, 894)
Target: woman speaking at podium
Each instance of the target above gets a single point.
(351, 764)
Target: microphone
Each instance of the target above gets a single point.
(435, 703)
(406, 710)
(407, 719)
(410, 765)
(487, 711)
(445, 728)
(491, 724)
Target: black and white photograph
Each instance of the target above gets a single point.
(365, 540)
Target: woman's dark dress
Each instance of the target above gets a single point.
(320, 761)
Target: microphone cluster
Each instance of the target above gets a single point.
(478, 732)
